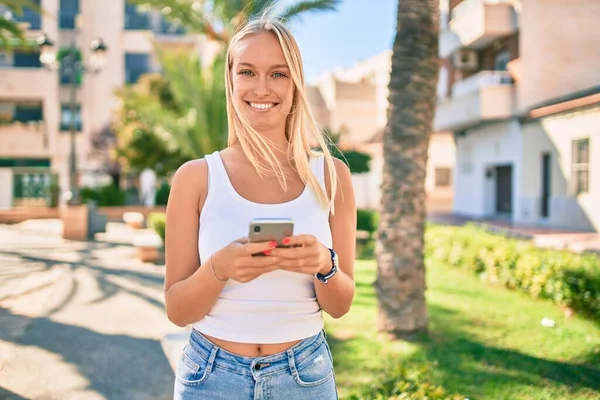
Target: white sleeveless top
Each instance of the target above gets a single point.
(278, 306)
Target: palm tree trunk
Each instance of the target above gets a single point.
(400, 283)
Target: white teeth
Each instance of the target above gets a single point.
(262, 106)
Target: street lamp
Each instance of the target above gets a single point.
(69, 65)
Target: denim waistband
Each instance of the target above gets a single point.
(255, 366)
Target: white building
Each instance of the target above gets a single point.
(34, 102)
(522, 96)
(354, 101)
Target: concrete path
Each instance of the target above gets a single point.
(79, 320)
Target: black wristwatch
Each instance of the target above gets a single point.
(334, 267)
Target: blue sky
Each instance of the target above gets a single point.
(359, 29)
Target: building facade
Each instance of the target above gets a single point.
(35, 111)
(520, 90)
(353, 102)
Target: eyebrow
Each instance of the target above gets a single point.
(272, 66)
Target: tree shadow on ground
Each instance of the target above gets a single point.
(116, 366)
(104, 275)
(464, 365)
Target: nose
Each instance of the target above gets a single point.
(261, 89)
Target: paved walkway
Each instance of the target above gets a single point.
(541, 236)
(80, 320)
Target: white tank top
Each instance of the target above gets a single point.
(276, 307)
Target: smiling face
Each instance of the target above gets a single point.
(262, 86)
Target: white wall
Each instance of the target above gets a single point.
(6, 188)
(482, 147)
(555, 135)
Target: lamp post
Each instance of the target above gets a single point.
(71, 66)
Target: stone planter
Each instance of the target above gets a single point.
(75, 220)
(148, 246)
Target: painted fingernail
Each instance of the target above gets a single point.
(286, 241)
(267, 252)
(273, 244)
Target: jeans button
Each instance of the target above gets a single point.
(257, 367)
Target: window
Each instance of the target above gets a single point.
(21, 112)
(501, 60)
(135, 20)
(580, 167)
(65, 118)
(30, 17)
(136, 64)
(68, 13)
(443, 177)
(26, 59)
(28, 113)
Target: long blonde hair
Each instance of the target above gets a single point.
(301, 125)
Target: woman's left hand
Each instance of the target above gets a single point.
(306, 255)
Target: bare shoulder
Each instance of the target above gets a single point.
(344, 178)
(190, 181)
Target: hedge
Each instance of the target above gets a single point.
(157, 221)
(569, 279)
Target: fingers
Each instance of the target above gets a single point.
(259, 247)
(300, 240)
(291, 253)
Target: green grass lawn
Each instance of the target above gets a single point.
(483, 342)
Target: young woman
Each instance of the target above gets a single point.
(257, 320)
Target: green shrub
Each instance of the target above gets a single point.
(365, 249)
(162, 194)
(566, 278)
(400, 383)
(111, 195)
(104, 196)
(367, 220)
(157, 222)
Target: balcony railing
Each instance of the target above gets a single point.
(479, 80)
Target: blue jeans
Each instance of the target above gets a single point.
(303, 372)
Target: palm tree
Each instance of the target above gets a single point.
(400, 283)
(190, 113)
(219, 18)
(184, 107)
(9, 27)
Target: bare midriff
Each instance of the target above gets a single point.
(251, 349)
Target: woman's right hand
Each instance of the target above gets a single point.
(237, 260)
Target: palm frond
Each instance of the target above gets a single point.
(302, 7)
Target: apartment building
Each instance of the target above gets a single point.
(35, 108)
(520, 90)
(353, 102)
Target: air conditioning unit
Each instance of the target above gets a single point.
(465, 59)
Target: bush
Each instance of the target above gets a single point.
(400, 383)
(157, 222)
(568, 279)
(162, 194)
(104, 196)
(365, 249)
(367, 220)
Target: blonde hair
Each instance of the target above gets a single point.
(301, 125)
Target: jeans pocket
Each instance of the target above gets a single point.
(191, 368)
(316, 369)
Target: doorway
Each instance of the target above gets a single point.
(546, 190)
(504, 189)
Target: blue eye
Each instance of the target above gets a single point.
(279, 75)
(246, 72)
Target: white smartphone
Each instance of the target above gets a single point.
(268, 229)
